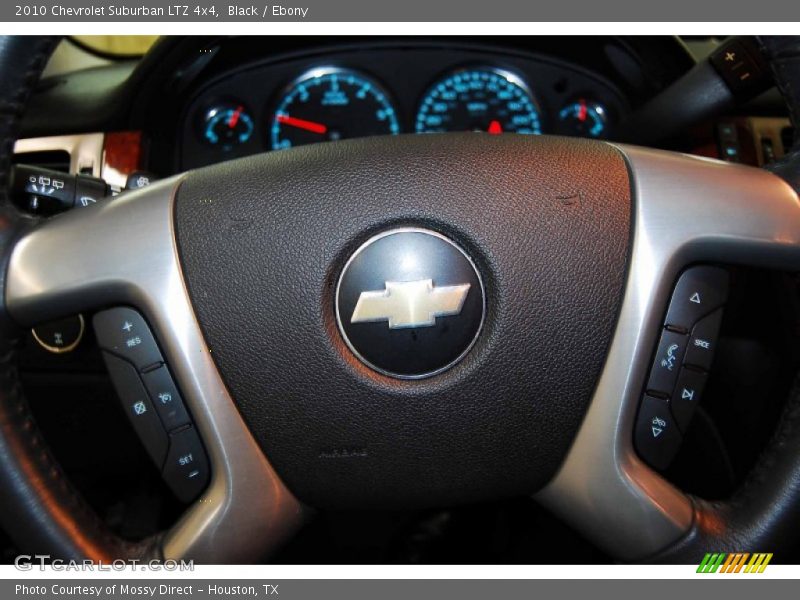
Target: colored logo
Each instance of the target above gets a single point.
(737, 562)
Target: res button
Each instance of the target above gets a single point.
(124, 332)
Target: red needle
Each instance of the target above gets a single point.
(235, 117)
(302, 124)
(582, 111)
(495, 128)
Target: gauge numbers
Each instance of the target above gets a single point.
(483, 99)
(331, 104)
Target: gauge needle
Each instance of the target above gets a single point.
(302, 124)
(235, 117)
(582, 111)
(495, 128)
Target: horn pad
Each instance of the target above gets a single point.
(474, 405)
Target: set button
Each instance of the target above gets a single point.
(186, 468)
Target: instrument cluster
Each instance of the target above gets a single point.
(284, 104)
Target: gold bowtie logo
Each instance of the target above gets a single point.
(409, 304)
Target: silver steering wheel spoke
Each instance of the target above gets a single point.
(686, 210)
(123, 252)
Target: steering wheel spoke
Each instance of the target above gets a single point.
(123, 253)
(687, 210)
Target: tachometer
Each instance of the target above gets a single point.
(482, 99)
(331, 104)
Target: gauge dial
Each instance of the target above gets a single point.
(479, 100)
(584, 118)
(227, 125)
(331, 104)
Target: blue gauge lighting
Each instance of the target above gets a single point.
(482, 99)
(228, 126)
(331, 104)
(584, 118)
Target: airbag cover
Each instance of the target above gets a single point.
(546, 221)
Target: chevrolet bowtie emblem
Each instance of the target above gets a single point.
(410, 303)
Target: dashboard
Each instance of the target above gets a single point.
(289, 101)
(195, 101)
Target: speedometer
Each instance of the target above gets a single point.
(482, 99)
(331, 104)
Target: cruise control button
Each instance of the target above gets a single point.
(688, 392)
(667, 362)
(124, 332)
(138, 408)
(186, 469)
(699, 291)
(166, 398)
(703, 341)
(656, 435)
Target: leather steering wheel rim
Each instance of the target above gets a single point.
(42, 510)
(764, 512)
(44, 513)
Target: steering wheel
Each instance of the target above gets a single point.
(401, 322)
